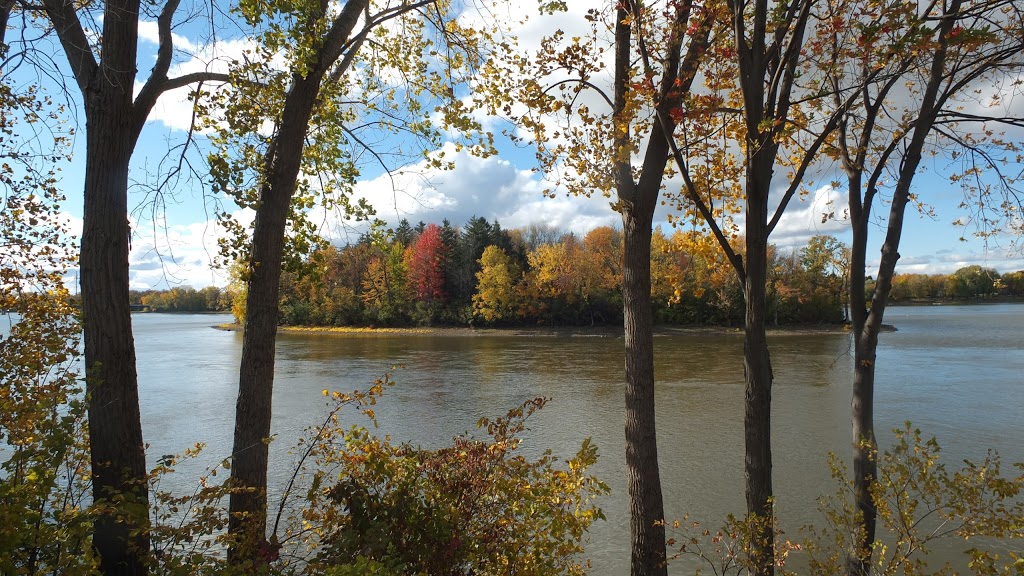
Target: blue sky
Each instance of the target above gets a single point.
(176, 249)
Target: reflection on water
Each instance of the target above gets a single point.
(954, 371)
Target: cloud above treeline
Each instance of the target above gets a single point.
(492, 187)
(496, 189)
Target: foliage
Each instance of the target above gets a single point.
(478, 506)
(44, 514)
(187, 533)
(416, 54)
(560, 280)
(386, 286)
(358, 504)
(497, 295)
(967, 283)
(971, 282)
(424, 260)
(184, 299)
(922, 504)
(728, 549)
(44, 518)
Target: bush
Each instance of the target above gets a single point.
(476, 507)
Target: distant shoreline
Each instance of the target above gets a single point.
(555, 331)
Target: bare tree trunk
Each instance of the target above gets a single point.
(863, 427)
(642, 474)
(116, 446)
(757, 371)
(248, 501)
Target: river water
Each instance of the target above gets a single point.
(956, 372)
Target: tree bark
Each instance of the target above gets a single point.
(248, 501)
(113, 124)
(117, 451)
(116, 446)
(637, 203)
(757, 372)
(642, 473)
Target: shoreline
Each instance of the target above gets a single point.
(555, 331)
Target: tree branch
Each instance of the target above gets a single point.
(194, 78)
(74, 40)
(158, 76)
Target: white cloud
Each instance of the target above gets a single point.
(148, 32)
(823, 211)
(949, 261)
(489, 187)
(175, 255)
(162, 256)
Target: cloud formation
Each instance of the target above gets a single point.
(489, 187)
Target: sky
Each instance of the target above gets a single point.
(175, 247)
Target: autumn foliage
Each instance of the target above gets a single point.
(534, 276)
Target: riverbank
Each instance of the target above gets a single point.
(555, 331)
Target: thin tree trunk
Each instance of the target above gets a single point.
(247, 505)
(642, 474)
(865, 468)
(116, 446)
(757, 371)
(862, 405)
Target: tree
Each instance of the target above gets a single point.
(331, 101)
(568, 276)
(756, 95)
(497, 295)
(935, 59)
(605, 245)
(1012, 283)
(424, 261)
(115, 113)
(386, 286)
(477, 506)
(477, 234)
(599, 150)
(971, 282)
(826, 263)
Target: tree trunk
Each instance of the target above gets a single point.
(757, 371)
(862, 405)
(247, 506)
(642, 474)
(117, 451)
(865, 468)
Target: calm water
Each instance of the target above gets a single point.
(955, 372)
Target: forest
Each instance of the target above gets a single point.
(726, 113)
(442, 275)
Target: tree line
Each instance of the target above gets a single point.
(482, 274)
(183, 299)
(806, 283)
(967, 283)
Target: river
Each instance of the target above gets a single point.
(955, 371)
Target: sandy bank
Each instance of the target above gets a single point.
(557, 331)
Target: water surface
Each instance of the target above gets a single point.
(954, 371)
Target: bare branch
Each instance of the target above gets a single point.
(194, 78)
(582, 82)
(74, 40)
